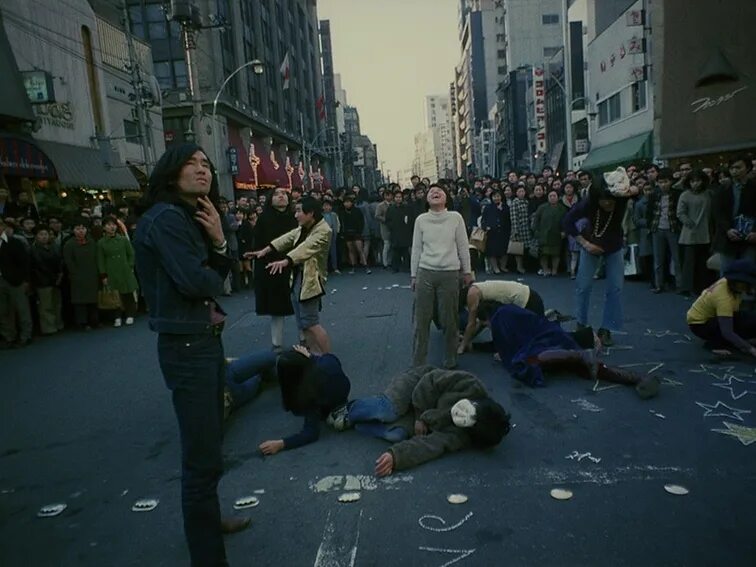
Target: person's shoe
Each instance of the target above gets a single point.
(351, 272)
(338, 418)
(129, 320)
(278, 349)
(117, 322)
(657, 290)
(648, 387)
(234, 525)
(22, 343)
(368, 270)
(5, 345)
(337, 272)
(606, 337)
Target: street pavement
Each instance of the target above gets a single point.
(87, 420)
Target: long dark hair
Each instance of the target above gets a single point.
(163, 186)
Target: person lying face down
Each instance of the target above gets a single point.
(426, 412)
(312, 386)
(529, 345)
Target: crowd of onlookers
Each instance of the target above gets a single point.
(683, 227)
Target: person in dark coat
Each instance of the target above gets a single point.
(80, 257)
(312, 386)
(498, 226)
(272, 291)
(246, 238)
(15, 267)
(400, 224)
(352, 228)
(529, 345)
(46, 275)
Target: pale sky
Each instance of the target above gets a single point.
(391, 54)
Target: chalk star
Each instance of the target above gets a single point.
(671, 382)
(746, 435)
(715, 411)
(727, 384)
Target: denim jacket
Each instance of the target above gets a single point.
(178, 277)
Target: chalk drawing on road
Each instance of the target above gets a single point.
(577, 455)
(51, 510)
(145, 505)
(456, 499)
(657, 414)
(661, 333)
(676, 489)
(596, 387)
(560, 494)
(353, 483)
(585, 405)
(423, 521)
(338, 549)
(671, 382)
(349, 497)
(636, 364)
(461, 554)
(246, 502)
(746, 435)
(721, 409)
(655, 368)
(736, 386)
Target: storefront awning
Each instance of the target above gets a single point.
(22, 158)
(619, 153)
(84, 167)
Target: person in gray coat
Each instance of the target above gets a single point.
(426, 412)
(694, 212)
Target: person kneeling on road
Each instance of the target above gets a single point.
(529, 345)
(451, 410)
(503, 292)
(312, 386)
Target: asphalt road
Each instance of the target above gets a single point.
(85, 419)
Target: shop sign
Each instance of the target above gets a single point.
(56, 114)
(539, 102)
(233, 160)
(39, 86)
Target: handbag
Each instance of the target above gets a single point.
(108, 299)
(478, 238)
(516, 248)
(631, 260)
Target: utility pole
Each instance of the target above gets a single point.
(138, 86)
(187, 14)
(567, 82)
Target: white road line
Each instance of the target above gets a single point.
(339, 549)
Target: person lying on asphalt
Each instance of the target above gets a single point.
(426, 412)
(529, 345)
(312, 386)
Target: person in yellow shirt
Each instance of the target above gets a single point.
(716, 316)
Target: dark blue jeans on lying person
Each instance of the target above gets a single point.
(372, 416)
(244, 374)
(192, 367)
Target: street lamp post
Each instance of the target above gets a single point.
(257, 69)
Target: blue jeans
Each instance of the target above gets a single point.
(243, 375)
(192, 367)
(333, 253)
(370, 416)
(664, 241)
(615, 278)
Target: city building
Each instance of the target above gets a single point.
(262, 121)
(618, 85)
(704, 100)
(90, 123)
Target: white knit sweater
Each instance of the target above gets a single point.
(440, 243)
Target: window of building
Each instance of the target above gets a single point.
(502, 70)
(179, 71)
(137, 24)
(163, 74)
(131, 131)
(549, 52)
(157, 25)
(501, 54)
(549, 19)
(610, 110)
(638, 91)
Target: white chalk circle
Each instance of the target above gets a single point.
(246, 502)
(561, 493)
(676, 489)
(456, 499)
(145, 505)
(51, 510)
(348, 497)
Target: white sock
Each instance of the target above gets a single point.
(276, 330)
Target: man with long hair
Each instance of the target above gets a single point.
(182, 263)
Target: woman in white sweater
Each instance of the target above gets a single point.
(440, 251)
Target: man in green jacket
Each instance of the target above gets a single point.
(426, 412)
(306, 248)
